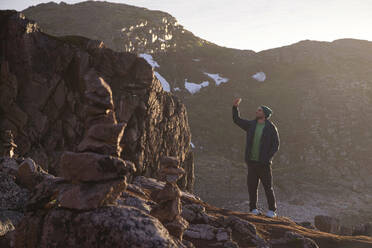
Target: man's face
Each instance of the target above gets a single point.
(259, 113)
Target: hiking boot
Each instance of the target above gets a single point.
(271, 214)
(255, 212)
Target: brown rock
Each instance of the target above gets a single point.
(168, 161)
(98, 92)
(169, 203)
(173, 171)
(177, 227)
(45, 193)
(92, 145)
(93, 167)
(30, 174)
(110, 133)
(167, 211)
(103, 138)
(90, 196)
(169, 192)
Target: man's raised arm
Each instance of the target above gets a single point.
(242, 123)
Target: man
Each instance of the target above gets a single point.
(262, 142)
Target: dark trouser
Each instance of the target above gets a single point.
(257, 172)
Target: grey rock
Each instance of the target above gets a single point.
(122, 227)
(230, 244)
(223, 235)
(12, 196)
(201, 231)
(137, 202)
(294, 239)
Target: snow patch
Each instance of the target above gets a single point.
(217, 78)
(192, 145)
(176, 89)
(164, 83)
(196, 60)
(154, 64)
(259, 76)
(193, 87)
(149, 60)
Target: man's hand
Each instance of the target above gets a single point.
(237, 102)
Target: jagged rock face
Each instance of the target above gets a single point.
(43, 104)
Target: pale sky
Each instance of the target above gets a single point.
(258, 24)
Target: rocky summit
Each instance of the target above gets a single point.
(95, 154)
(320, 93)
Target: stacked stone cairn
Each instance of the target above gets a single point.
(169, 209)
(94, 176)
(97, 174)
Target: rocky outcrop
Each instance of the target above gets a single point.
(43, 101)
(80, 209)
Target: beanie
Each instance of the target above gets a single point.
(267, 111)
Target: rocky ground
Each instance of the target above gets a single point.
(301, 202)
(138, 215)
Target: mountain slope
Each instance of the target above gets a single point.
(320, 93)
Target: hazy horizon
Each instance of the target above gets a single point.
(257, 25)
